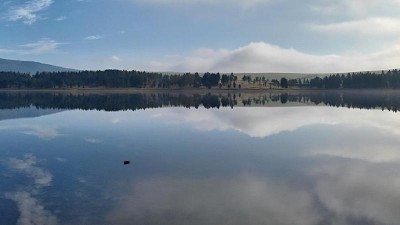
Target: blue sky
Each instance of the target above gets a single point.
(204, 35)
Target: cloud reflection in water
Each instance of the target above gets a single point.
(241, 200)
(352, 178)
(343, 170)
(267, 121)
(32, 212)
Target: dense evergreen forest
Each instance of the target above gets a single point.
(138, 79)
(384, 80)
(113, 79)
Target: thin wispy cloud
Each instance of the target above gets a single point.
(32, 212)
(93, 37)
(299, 31)
(115, 58)
(61, 18)
(43, 46)
(62, 160)
(370, 27)
(93, 140)
(355, 189)
(29, 12)
(6, 3)
(353, 8)
(254, 200)
(115, 120)
(28, 166)
(42, 132)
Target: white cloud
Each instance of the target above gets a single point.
(93, 140)
(217, 200)
(30, 209)
(93, 37)
(28, 13)
(7, 51)
(359, 190)
(264, 57)
(255, 122)
(82, 180)
(115, 120)
(352, 8)
(6, 3)
(367, 151)
(61, 18)
(42, 132)
(267, 121)
(62, 160)
(41, 177)
(42, 46)
(370, 27)
(115, 58)
(331, 192)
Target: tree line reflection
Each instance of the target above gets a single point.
(117, 102)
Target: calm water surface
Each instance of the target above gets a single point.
(286, 159)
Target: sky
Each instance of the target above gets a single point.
(309, 36)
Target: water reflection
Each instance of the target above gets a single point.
(237, 200)
(336, 197)
(263, 122)
(303, 164)
(356, 192)
(30, 209)
(43, 132)
(27, 166)
(385, 100)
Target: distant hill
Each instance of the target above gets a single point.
(29, 67)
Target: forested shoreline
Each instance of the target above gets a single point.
(140, 79)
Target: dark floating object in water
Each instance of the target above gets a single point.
(127, 162)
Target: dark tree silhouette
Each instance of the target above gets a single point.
(284, 83)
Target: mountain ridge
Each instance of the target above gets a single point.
(9, 65)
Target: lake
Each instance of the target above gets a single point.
(203, 159)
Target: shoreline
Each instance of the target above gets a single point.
(191, 90)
